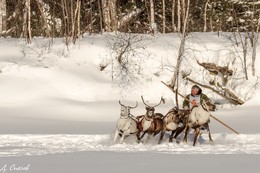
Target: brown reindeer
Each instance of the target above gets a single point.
(150, 123)
(174, 121)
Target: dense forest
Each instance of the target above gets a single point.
(71, 18)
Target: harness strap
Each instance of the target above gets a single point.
(204, 107)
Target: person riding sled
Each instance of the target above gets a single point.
(196, 97)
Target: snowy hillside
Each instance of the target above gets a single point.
(47, 81)
(58, 106)
(49, 85)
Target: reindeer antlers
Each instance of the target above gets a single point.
(162, 100)
(121, 103)
(129, 106)
(134, 106)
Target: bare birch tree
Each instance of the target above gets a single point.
(186, 12)
(28, 6)
(182, 47)
(205, 16)
(153, 24)
(76, 22)
(3, 25)
(113, 14)
(65, 21)
(100, 16)
(72, 19)
(173, 15)
(163, 17)
(27, 22)
(178, 15)
(1, 13)
(254, 47)
(106, 18)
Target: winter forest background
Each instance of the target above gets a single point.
(72, 18)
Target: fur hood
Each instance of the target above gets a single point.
(196, 86)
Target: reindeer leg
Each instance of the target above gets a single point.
(138, 136)
(187, 129)
(143, 134)
(171, 136)
(197, 132)
(156, 132)
(161, 137)
(122, 138)
(178, 131)
(116, 134)
(210, 139)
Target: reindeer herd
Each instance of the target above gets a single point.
(175, 121)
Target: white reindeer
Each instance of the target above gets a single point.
(198, 118)
(126, 124)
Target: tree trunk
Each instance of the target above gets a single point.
(205, 16)
(46, 27)
(186, 15)
(53, 22)
(245, 57)
(65, 17)
(153, 24)
(179, 16)
(79, 7)
(1, 12)
(254, 47)
(100, 17)
(25, 13)
(182, 46)
(28, 6)
(244, 47)
(72, 18)
(3, 25)
(210, 18)
(163, 17)
(173, 15)
(105, 11)
(183, 13)
(178, 63)
(76, 22)
(113, 14)
(27, 22)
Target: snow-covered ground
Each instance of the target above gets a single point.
(58, 110)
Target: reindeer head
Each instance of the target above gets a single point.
(125, 110)
(150, 109)
(208, 105)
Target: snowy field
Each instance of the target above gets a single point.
(58, 110)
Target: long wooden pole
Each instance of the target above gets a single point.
(210, 114)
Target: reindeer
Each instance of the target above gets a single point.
(174, 121)
(126, 124)
(198, 119)
(151, 122)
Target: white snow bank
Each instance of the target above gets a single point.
(31, 145)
